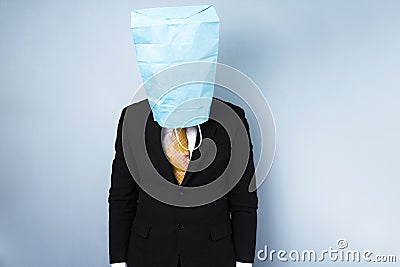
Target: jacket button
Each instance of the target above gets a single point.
(179, 226)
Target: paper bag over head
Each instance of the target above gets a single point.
(170, 36)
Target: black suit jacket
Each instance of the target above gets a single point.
(145, 232)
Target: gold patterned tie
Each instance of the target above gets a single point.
(177, 155)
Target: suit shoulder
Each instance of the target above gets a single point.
(239, 110)
(140, 105)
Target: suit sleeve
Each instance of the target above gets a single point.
(122, 201)
(243, 207)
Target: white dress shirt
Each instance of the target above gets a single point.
(191, 133)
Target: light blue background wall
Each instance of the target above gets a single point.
(329, 69)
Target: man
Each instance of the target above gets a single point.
(147, 232)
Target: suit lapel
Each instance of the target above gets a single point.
(156, 152)
(208, 131)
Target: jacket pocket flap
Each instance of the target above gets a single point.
(141, 228)
(221, 230)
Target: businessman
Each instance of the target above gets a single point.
(144, 231)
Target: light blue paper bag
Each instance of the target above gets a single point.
(169, 36)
